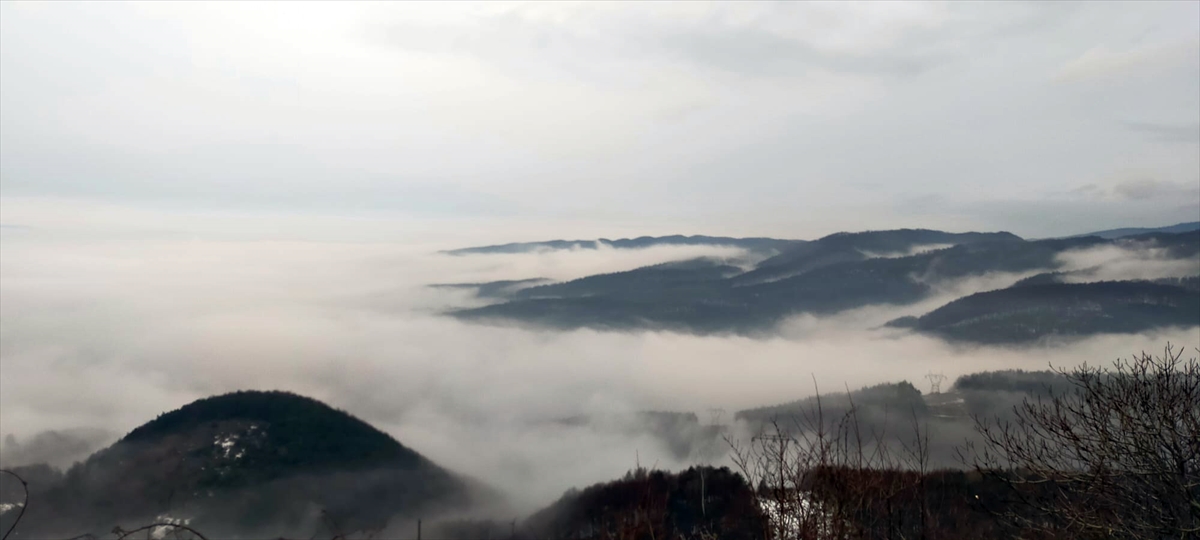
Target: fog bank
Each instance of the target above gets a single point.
(108, 335)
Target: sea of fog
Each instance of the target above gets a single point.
(107, 330)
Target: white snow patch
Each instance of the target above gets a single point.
(160, 532)
(790, 518)
(226, 443)
(790, 523)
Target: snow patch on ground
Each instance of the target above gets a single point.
(789, 522)
(226, 444)
(790, 518)
(160, 532)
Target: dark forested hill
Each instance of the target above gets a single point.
(700, 502)
(844, 247)
(1035, 311)
(871, 404)
(247, 463)
(710, 297)
(837, 273)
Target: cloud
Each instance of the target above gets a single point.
(1089, 191)
(1133, 188)
(59, 449)
(1101, 62)
(1168, 132)
(768, 40)
(754, 116)
(1148, 188)
(107, 334)
(1112, 263)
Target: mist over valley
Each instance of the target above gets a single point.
(126, 331)
(599, 270)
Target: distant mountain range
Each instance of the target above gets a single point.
(762, 244)
(751, 244)
(853, 270)
(1131, 231)
(854, 247)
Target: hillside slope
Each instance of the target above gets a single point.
(707, 299)
(838, 273)
(247, 464)
(1031, 312)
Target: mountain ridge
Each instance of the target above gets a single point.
(1109, 234)
(825, 276)
(758, 244)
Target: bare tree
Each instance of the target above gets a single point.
(832, 478)
(1117, 455)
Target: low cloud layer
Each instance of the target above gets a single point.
(1113, 263)
(107, 335)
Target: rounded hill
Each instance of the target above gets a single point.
(252, 463)
(295, 431)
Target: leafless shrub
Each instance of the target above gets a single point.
(832, 478)
(1117, 455)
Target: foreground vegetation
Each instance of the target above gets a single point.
(1096, 452)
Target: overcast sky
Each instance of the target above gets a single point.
(793, 119)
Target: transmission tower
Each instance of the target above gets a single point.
(935, 382)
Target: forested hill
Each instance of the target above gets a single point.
(248, 463)
(860, 246)
(1033, 312)
(854, 270)
(346, 442)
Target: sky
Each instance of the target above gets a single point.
(537, 120)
